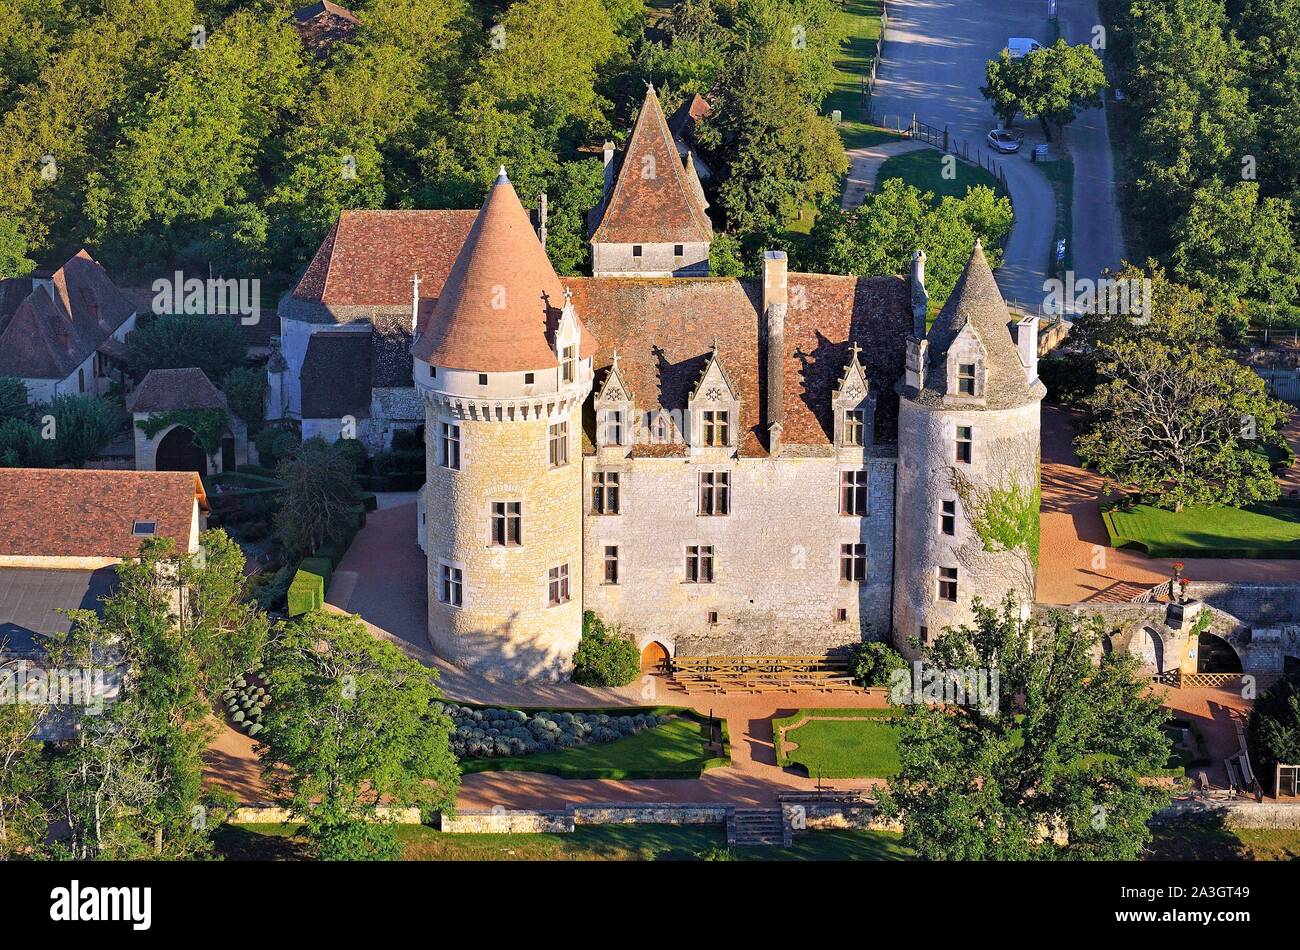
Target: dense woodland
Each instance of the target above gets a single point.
(201, 134)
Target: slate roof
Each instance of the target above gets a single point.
(54, 329)
(977, 303)
(167, 390)
(336, 375)
(652, 201)
(31, 598)
(664, 329)
(52, 512)
(501, 304)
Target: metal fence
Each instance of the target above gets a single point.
(869, 81)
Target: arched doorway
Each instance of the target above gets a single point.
(178, 453)
(654, 657)
(1215, 655)
(1150, 649)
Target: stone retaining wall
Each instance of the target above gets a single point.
(265, 814)
(502, 821)
(1231, 814)
(649, 814)
(814, 816)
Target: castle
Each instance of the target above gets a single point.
(717, 466)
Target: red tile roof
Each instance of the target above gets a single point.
(368, 257)
(166, 390)
(500, 306)
(652, 201)
(51, 512)
(55, 329)
(664, 329)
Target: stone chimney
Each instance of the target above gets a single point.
(914, 374)
(1025, 333)
(415, 304)
(776, 296)
(541, 218)
(609, 168)
(920, 298)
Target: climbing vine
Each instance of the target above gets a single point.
(208, 425)
(1005, 517)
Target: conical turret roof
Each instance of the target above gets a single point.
(501, 304)
(976, 304)
(652, 201)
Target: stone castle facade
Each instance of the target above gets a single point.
(716, 466)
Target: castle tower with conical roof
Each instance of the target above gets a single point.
(504, 364)
(653, 222)
(966, 511)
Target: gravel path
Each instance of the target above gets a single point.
(864, 164)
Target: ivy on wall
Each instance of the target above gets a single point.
(208, 425)
(1005, 517)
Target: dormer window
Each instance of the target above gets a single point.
(716, 427)
(966, 379)
(612, 427)
(568, 364)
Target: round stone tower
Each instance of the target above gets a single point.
(966, 510)
(504, 365)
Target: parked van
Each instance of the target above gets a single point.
(1018, 46)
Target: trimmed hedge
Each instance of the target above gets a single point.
(368, 501)
(306, 593)
(320, 566)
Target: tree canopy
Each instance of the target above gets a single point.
(1051, 84)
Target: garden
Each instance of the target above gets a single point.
(619, 743)
(1264, 530)
(839, 743)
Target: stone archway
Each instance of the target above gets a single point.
(1150, 649)
(1216, 655)
(177, 452)
(654, 657)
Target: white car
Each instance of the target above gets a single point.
(1019, 46)
(1006, 141)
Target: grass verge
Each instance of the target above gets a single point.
(925, 168)
(861, 45)
(1269, 530)
(1060, 174)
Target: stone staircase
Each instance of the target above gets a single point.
(757, 826)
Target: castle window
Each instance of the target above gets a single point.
(661, 432)
(853, 493)
(964, 441)
(636, 250)
(482, 379)
(452, 587)
(507, 524)
(557, 579)
(699, 564)
(715, 493)
(841, 614)
(925, 634)
(81, 380)
(855, 426)
(948, 519)
(611, 564)
(568, 365)
(451, 446)
(529, 378)
(948, 583)
(604, 493)
(717, 427)
(711, 617)
(613, 427)
(559, 444)
(853, 562)
(679, 250)
(966, 379)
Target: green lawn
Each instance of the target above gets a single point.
(1189, 842)
(924, 169)
(1060, 174)
(1265, 530)
(856, 743)
(585, 843)
(675, 749)
(862, 39)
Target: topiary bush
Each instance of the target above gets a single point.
(246, 698)
(306, 593)
(604, 658)
(873, 664)
(496, 733)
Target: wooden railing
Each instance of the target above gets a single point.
(761, 673)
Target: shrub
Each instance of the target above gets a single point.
(604, 658)
(245, 388)
(1273, 730)
(275, 444)
(306, 593)
(354, 451)
(272, 595)
(873, 663)
(320, 566)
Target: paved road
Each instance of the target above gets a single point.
(1098, 236)
(933, 65)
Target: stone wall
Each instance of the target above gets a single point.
(776, 556)
(506, 822)
(505, 627)
(656, 260)
(1005, 445)
(1235, 814)
(826, 816)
